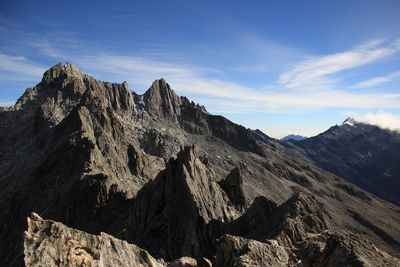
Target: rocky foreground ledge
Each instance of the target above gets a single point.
(50, 243)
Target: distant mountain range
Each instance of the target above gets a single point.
(108, 177)
(293, 137)
(363, 154)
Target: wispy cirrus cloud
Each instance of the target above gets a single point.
(225, 95)
(378, 80)
(19, 68)
(317, 71)
(221, 95)
(135, 69)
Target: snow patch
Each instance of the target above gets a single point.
(349, 121)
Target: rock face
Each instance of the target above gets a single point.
(49, 243)
(170, 215)
(289, 224)
(160, 172)
(237, 251)
(194, 119)
(233, 187)
(162, 102)
(332, 249)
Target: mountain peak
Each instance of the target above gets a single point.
(349, 121)
(160, 85)
(62, 71)
(161, 100)
(294, 137)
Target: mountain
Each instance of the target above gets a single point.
(363, 154)
(293, 137)
(155, 178)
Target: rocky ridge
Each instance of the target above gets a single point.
(98, 157)
(363, 154)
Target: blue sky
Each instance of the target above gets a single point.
(280, 66)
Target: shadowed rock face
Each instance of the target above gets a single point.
(100, 158)
(194, 120)
(170, 215)
(290, 223)
(233, 187)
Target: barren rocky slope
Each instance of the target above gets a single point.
(163, 174)
(363, 154)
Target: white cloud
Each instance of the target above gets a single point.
(316, 71)
(378, 80)
(219, 95)
(260, 55)
(58, 45)
(19, 65)
(223, 95)
(382, 119)
(49, 50)
(136, 70)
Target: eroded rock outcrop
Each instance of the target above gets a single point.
(160, 101)
(331, 249)
(290, 223)
(302, 215)
(49, 243)
(233, 187)
(170, 215)
(237, 251)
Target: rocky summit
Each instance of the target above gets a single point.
(123, 179)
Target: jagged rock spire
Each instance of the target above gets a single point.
(170, 215)
(161, 101)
